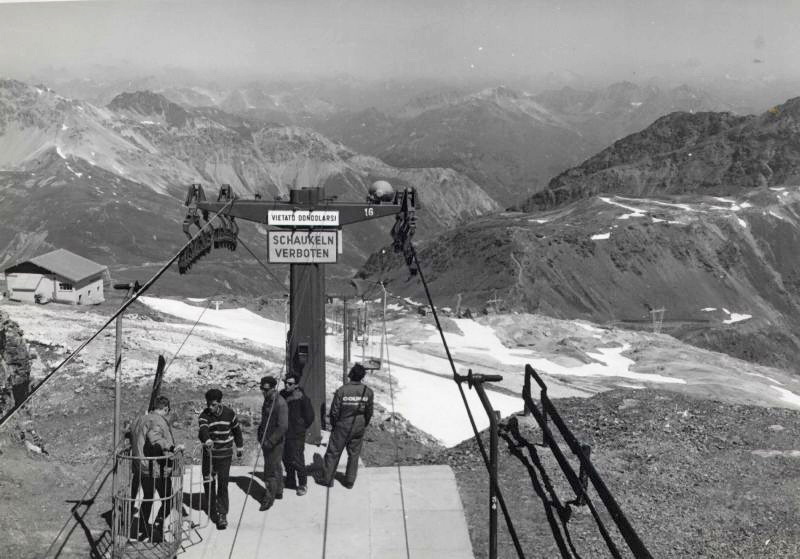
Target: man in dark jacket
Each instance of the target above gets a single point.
(219, 430)
(351, 411)
(301, 416)
(271, 435)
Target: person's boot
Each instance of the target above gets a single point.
(266, 504)
(301, 490)
(319, 479)
(157, 534)
(222, 522)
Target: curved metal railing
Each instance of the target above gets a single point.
(147, 517)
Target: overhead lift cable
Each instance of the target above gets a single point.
(188, 335)
(385, 343)
(258, 456)
(509, 522)
(122, 309)
(266, 269)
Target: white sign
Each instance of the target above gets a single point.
(303, 218)
(302, 247)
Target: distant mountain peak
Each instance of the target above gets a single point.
(789, 109)
(149, 104)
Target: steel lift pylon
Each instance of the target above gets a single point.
(306, 338)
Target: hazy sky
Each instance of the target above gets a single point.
(374, 38)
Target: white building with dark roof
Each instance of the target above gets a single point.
(60, 276)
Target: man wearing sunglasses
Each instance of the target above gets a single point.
(301, 416)
(271, 436)
(219, 430)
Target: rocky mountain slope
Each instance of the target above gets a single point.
(722, 268)
(715, 153)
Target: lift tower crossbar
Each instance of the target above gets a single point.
(306, 211)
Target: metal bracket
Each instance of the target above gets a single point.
(405, 226)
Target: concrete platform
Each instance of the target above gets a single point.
(363, 522)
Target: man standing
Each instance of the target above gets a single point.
(219, 430)
(301, 416)
(152, 436)
(351, 411)
(271, 435)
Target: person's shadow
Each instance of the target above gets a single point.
(250, 487)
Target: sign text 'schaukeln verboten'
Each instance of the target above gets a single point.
(302, 247)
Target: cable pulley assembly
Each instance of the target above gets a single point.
(223, 234)
(403, 230)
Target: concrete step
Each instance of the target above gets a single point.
(363, 522)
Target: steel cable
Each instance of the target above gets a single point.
(266, 269)
(186, 339)
(498, 493)
(255, 465)
(385, 343)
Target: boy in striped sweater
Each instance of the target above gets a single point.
(219, 430)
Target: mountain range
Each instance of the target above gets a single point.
(698, 214)
(684, 214)
(77, 176)
(508, 141)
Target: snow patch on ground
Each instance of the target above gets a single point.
(601, 236)
(636, 212)
(234, 323)
(588, 327)
(433, 403)
(775, 453)
(611, 363)
(788, 396)
(736, 317)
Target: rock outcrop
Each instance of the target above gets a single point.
(15, 365)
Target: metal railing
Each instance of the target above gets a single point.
(196, 488)
(147, 506)
(544, 413)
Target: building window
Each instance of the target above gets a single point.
(64, 286)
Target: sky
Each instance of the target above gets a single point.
(408, 38)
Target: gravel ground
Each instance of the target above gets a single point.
(696, 478)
